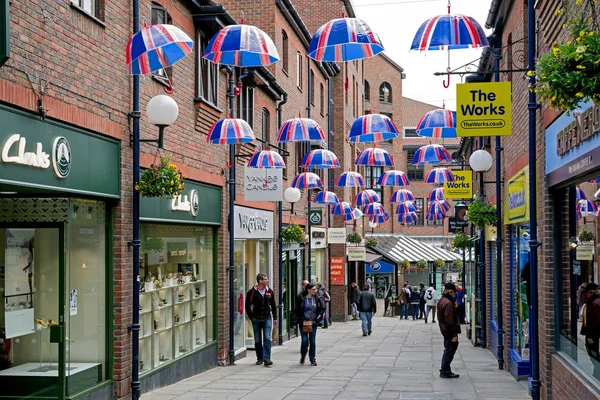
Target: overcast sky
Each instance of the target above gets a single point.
(397, 21)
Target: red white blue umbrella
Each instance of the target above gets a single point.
(350, 179)
(406, 207)
(580, 194)
(435, 212)
(366, 197)
(344, 39)
(300, 130)
(230, 131)
(402, 195)
(437, 194)
(374, 157)
(326, 197)
(379, 218)
(438, 124)
(372, 128)
(373, 209)
(307, 180)
(432, 154)
(393, 177)
(408, 218)
(266, 159)
(585, 207)
(241, 46)
(320, 158)
(345, 209)
(449, 32)
(439, 175)
(444, 204)
(595, 180)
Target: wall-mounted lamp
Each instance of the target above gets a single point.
(292, 195)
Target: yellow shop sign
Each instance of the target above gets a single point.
(461, 188)
(484, 109)
(517, 197)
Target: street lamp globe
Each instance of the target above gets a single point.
(162, 110)
(372, 224)
(480, 161)
(292, 195)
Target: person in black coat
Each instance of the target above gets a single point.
(415, 299)
(367, 306)
(310, 309)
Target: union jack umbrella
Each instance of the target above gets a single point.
(437, 194)
(379, 218)
(350, 179)
(439, 175)
(438, 124)
(320, 158)
(366, 197)
(241, 46)
(374, 157)
(435, 212)
(597, 194)
(402, 195)
(300, 130)
(307, 180)
(406, 207)
(373, 209)
(372, 128)
(344, 39)
(266, 159)
(432, 154)
(580, 194)
(326, 197)
(444, 203)
(230, 131)
(585, 208)
(449, 32)
(408, 218)
(595, 180)
(344, 208)
(393, 177)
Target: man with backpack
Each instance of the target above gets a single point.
(260, 308)
(430, 302)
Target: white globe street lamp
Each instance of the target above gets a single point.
(292, 195)
(480, 161)
(161, 111)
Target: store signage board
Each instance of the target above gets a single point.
(483, 109)
(315, 217)
(584, 251)
(517, 197)
(357, 253)
(251, 223)
(336, 235)
(461, 188)
(263, 184)
(318, 238)
(186, 203)
(336, 265)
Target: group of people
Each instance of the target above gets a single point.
(421, 301)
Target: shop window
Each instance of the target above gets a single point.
(207, 74)
(493, 281)
(161, 16)
(420, 204)
(520, 291)
(367, 91)
(414, 172)
(285, 51)
(385, 93)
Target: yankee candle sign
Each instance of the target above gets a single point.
(484, 109)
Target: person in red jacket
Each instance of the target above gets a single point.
(449, 327)
(591, 324)
(262, 311)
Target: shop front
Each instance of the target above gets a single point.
(380, 275)
(178, 261)
(318, 245)
(293, 267)
(58, 186)
(253, 253)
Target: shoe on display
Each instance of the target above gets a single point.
(268, 363)
(259, 362)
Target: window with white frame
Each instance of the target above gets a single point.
(161, 16)
(89, 6)
(246, 105)
(207, 74)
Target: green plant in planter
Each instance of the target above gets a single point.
(372, 243)
(161, 180)
(405, 264)
(481, 214)
(421, 264)
(457, 264)
(354, 238)
(461, 241)
(292, 233)
(439, 263)
(586, 236)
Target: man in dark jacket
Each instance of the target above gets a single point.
(367, 306)
(260, 307)
(422, 301)
(355, 296)
(450, 328)
(591, 324)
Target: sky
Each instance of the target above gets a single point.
(397, 21)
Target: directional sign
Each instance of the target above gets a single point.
(484, 109)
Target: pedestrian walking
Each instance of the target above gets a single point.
(260, 308)
(581, 300)
(355, 296)
(430, 302)
(325, 298)
(459, 297)
(422, 300)
(367, 306)
(449, 327)
(591, 325)
(309, 315)
(415, 299)
(404, 301)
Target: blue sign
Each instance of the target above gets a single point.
(379, 267)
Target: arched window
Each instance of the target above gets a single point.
(284, 51)
(385, 93)
(367, 91)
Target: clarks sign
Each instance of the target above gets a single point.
(14, 151)
(185, 203)
(253, 224)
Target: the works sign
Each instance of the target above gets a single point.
(484, 109)
(251, 223)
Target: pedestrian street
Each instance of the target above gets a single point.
(399, 360)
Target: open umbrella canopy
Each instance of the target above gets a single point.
(344, 39)
(444, 204)
(156, 47)
(440, 175)
(266, 159)
(449, 32)
(365, 197)
(326, 197)
(431, 154)
(374, 157)
(300, 130)
(230, 131)
(435, 212)
(372, 128)
(402, 195)
(406, 207)
(320, 158)
(438, 124)
(241, 46)
(393, 177)
(580, 194)
(373, 209)
(585, 207)
(437, 194)
(379, 218)
(345, 209)
(307, 180)
(350, 179)
(408, 218)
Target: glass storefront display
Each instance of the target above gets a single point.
(520, 324)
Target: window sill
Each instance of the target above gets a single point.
(385, 102)
(208, 103)
(300, 89)
(285, 72)
(87, 14)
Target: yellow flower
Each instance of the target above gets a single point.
(580, 67)
(558, 11)
(580, 49)
(555, 51)
(591, 33)
(580, 95)
(582, 33)
(564, 26)
(530, 73)
(578, 2)
(553, 98)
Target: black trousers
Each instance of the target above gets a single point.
(449, 351)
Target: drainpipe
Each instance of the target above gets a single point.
(280, 227)
(329, 184)
(308, 114)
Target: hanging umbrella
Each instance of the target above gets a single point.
(230, 131)
(408, 218)
(444, 204)
(437, 194)
(307, 180)
(320, 158)
(350, 179)
(241, 46)
(406, 207)
(393, 177)
(344, 39)
(365, 197)
(372, 128)
(345, 209)
(438, 124)
(432, 154)
(326, 197)
(585, 208)
(374, 157)
(402, 195)
(595, 180)
(355, 214)
(300, 130)
(266, 159)
(580, 194)
(439, 175)
(379, 218)
(373, 209)
(435, 212)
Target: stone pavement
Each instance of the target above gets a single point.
(400, 360)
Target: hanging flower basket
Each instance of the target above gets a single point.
(481, 214)
(162, 180)
(421, 264)
(292, 233)
(586, 236)
(354, 238)
(405, 264)
(439, 263)
(461, 241)
(456, 263)
(371, 243)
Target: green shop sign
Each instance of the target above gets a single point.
(198, 204)
(47, 156)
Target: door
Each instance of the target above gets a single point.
(32, 360)
(239, 332)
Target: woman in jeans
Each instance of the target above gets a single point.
(310, 308)
(415, 298)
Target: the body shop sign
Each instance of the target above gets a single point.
(253, 224)
(336, 265)
(262, 184)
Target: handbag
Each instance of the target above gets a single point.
(307, 326)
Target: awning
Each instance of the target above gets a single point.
(372, 257)
(400, 247)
